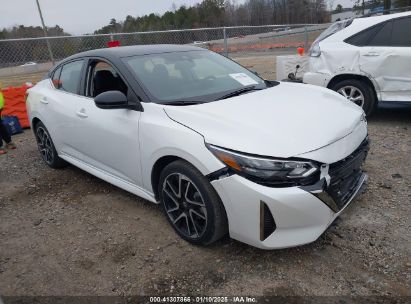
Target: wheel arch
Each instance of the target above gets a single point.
(34, 123)
(158, 167)
(201, 159)
(341, 77)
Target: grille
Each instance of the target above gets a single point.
(345, 175)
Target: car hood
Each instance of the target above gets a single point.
(283, 121)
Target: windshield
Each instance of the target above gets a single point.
(200, 76)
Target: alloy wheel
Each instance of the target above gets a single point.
(353, 94)
(45, 145)
(184, 205)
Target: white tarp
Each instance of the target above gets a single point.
(287, 64)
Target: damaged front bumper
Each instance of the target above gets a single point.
(270, 218)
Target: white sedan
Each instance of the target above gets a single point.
(222, 150)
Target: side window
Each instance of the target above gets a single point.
(401, 32)
(69, 79)
(364, 37)
(102, 77)
(383, 37)
(56, 78)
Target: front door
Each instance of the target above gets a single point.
(108, 139)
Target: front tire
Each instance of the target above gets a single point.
(357, 91)
(46, 147)
(191, 205)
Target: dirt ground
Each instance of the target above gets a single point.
(19, 80)
(65, 232)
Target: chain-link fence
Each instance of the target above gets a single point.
(227, 40)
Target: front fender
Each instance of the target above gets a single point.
(160, 136)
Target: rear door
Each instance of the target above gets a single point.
(386, 58)
(60, 105)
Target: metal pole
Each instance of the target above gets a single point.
(225, 42)
(305, 38)
(45, 32)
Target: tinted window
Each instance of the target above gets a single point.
(364, 37)
(401, 35)
(56, 78)
(383, 37)
(70, 76)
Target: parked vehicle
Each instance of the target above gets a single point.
(222, 150)
(31, 63)
(366, 60)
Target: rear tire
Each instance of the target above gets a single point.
(357, 91)
(46, 147)
(191, 205)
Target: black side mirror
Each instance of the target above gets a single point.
(111, 100)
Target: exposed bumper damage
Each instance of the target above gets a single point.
(300, 214)
(341, 181)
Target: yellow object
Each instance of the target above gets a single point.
(1, 101)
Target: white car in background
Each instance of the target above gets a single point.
(365, 59)
(222, 150)
(30, 63)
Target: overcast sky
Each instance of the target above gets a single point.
(85, 16)
(80, 16)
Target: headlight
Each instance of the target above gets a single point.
(267, 170)
(315, 50)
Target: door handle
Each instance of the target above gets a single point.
(44, 100)
(371, 54)
(81, 113)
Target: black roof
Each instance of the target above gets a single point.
(126, 51)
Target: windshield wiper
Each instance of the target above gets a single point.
(182, 102)
(239, 92)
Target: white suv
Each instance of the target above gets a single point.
(365, 59)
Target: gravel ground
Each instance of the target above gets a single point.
(65, 232)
